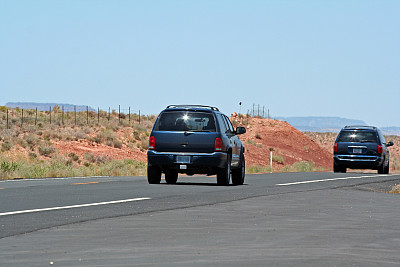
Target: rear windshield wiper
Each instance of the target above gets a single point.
(367, 141)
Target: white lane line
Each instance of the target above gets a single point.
(50, 178)
(334, 179)
(75, 206)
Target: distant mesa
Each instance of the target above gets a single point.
(330, 124)
(321, 124)
(47, 106)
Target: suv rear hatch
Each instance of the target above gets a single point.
(185, 131)
(357, 144)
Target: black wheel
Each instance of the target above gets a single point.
(387, 169)
(224, 174)
(238, 174)
(383, 169)
(338, 168)
(171, 177)
(153, 175)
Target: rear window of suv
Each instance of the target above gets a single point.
(358, 137)
(186, 121)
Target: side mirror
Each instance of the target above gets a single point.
(389, 144)
(240, 130)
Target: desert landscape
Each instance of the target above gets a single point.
(110, 144)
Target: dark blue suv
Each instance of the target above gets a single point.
(361, 147)
(194, 139)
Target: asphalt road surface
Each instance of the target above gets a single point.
(282, 219)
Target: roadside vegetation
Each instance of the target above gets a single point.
(28, 150)
(30, 144)
(300, 166)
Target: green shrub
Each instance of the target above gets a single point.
(96, 159)
(258, 169)
(251, 142)
(136, 135)
(5, 146)
(46, 150)
(303, 166)
(278, 159)
(32, 155)
(142, 145)
(7, 166)
(73, 156)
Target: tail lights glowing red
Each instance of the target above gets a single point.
(152, 143)
(218, 144)
(335, 147)
(379, 149)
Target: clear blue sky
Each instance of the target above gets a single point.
(296, 58)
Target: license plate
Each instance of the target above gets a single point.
(183, 167)
(357, 150)
(182, 159)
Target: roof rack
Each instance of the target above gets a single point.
(359, 126)
(192, 106)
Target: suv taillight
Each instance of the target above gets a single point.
(379, 149)
(335, 147)
(152, 142)
(218, 144)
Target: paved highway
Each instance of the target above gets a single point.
(282, 219)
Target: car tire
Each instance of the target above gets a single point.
(239, 173)
(224, 174)
(339, 169)
(171, 177)
(383, 169)
(153, 175)
(387, 169)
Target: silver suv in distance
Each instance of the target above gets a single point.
(361, 147)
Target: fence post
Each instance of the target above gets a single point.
(87, 115)
(139, 116)
(129, 115)
(119, 114)
(22, 118)
(98, 115)
(109, 113)
(75, 114)
(7, 120)
(50, 114)
(36, 117)
(270, 157)
(62, 115)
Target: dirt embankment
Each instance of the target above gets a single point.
(285, 141)
(86, 146)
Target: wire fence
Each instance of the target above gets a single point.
(259, 111)
(60, 115)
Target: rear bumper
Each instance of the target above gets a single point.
(358, 161)
(199, 162)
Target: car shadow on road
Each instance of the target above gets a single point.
(200, 184)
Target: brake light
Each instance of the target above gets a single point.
(152, 142)
(218, 144)
(335, 147)
(379, 149)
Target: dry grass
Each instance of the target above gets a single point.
(28, 151)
